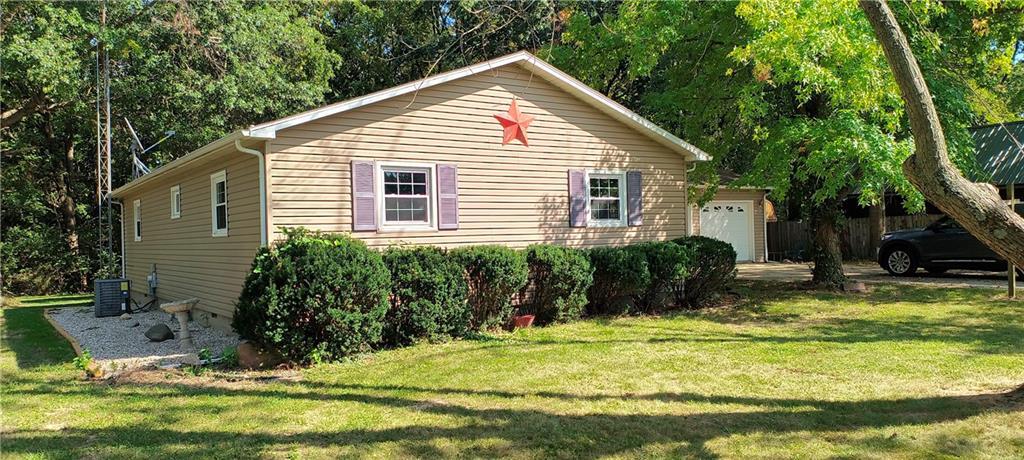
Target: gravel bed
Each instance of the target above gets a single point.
(121, 344)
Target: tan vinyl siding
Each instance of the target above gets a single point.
(190, 261)
(508, 194)
(757, 196)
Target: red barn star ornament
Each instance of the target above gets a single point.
(514, 123)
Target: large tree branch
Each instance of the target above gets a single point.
(973, 205)
(11, 117)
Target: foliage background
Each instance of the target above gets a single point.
(789, 94)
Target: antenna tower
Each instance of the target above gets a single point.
(103, 125)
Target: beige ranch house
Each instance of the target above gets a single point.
(423, 163)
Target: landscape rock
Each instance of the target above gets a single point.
(159, 333)
(135, 324)
(251, 356)
(126, 316)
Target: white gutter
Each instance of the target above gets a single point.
(181, 161)
(263, 187)
(121, 219)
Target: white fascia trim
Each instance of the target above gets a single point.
(615, 110)
(549, 72)
(181, 161)
(269, 129)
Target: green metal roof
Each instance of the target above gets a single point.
(999, 156)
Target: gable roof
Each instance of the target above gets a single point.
(524, 59)
(999, 149)
(548, 72)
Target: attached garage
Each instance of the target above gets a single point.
(736, 216)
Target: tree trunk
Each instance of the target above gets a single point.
(974, 206)
(66, 201)
(826, 220)
(876, 222)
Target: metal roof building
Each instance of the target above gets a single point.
(1000, 152)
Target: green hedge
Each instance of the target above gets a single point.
(494, 274)
(317, 297)
(668, 263)
(712, 270)
(314, 297)
(621, 275)
(558, 282)
(428, 297)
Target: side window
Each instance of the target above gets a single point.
(606, 195)
(175, 202)
(407, 196)
(219, 203)
(137, 214)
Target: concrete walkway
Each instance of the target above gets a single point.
(871, 273)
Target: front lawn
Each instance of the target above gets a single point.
(904, 372)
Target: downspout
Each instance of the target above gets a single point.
(686, 200)
(121, 219)
(263, 188)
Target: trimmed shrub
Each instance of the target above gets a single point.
(314, 297)
(668, 264)
(712, 270)
(558, 282)
(428, 296)
(494, 274)
(620, 276)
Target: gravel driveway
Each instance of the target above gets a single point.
(121, 344)
(871, 273)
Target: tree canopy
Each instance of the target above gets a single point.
(793, 95)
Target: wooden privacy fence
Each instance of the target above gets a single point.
(792, 239)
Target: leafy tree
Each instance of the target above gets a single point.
(169, 61)
(983, 213)
(797, 94)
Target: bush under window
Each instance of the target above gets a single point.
(314, 297)
(620, 276)
(668, 264)
(558, 282)
(428, 297)
(712, 270)
(494, 274)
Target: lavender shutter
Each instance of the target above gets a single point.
(364, 204)
(447, 197)
(635, 198)
(577, 198)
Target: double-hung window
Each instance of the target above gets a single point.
(175, 202)
(137, 215)
(606, 195)
(219, 203)
(407, 196)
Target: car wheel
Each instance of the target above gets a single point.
(900, 261)
(936, 270)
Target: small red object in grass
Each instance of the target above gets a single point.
(520, 322)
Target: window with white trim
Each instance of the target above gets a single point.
(407, 195)
(175, 202)
(137, 215)
(606, 198)
(219, 203)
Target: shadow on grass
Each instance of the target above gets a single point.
(536, 431)
(32, 339)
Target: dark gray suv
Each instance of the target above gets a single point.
(941, 246)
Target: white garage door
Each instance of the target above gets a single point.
(729, 221)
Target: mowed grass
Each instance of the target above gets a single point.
(902, 372)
